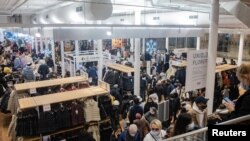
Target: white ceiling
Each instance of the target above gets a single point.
(119, 6)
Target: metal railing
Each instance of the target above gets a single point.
(201, 134)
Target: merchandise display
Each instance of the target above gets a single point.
(122, 70)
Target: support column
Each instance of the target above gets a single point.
(53, 52)
(167, 44)
(132, 42)
(62, 58)
(100, 61)
(198, 43)
(212, 54)
(241, 47)
(77, 54)
(36, 45)
(137, 67)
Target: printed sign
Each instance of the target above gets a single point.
(46, 108)
(196, 69)
(33, 91)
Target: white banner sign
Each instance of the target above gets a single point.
(1, 35)
(196, 69)
(88, 58)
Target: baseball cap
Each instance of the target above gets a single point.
(201, 99)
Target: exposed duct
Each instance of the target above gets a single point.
(98, 9)
(239, 9)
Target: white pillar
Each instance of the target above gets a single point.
(148, 67)
(198, 43)
(62, 58)
(77, 54)
(212, 54)
(137, 67)
(36, 44)
(132, 43)
(143, 46)
(53, 52)
(241, 46)
(100, 61)
(167, 44)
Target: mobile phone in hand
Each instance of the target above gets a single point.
(227, 99)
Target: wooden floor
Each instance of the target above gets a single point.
(4, 123)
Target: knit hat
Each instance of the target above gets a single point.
(7, 70)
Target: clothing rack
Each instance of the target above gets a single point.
(52, 82)
(32, 102)
(121, 68)
(56, 133)
(225, 67)
(67, 130)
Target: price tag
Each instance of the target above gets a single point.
(46, 108)
(33, 91)
(46, 138)
(90, 79)
(63, 140)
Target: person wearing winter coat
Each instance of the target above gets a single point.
(131, 134)
(28, 73)
(241, 106)
(151, 114)
(134, 110)
(43, 70)
(150, 103)
(142, 124)
(156, 133)
(199, 112)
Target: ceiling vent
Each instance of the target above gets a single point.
(193, 17)
(156, 18)
(79, 9)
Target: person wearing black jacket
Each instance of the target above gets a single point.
(134, 110)
(50, 63)
(84, 135)
(241, 107)
(43, 70)
(150, 103)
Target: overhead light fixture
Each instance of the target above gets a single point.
(109, 33)
(38, 35)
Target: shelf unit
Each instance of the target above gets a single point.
(121, 68)
(225, 67)
(32, 102)
(48, 83)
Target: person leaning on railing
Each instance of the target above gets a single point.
(241, 106)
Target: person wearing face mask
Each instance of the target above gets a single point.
(151, 114)
(150, 103)
(183, 124)
(241, 106)
(199, 111)
(156, 133)
(131, 134)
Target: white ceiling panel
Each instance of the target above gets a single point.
(8, 5)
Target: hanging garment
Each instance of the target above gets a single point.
(77, 114)
(105, 131)
(91, 110)
(95, 131)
